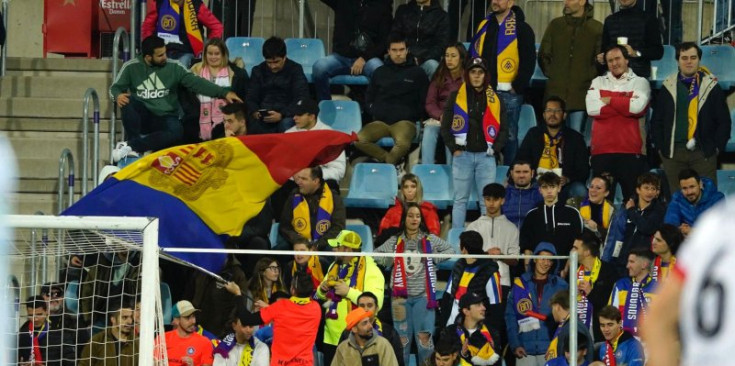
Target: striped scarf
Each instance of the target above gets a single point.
(507, 52)
(584, 306)
(693, 83)
(313, 269)
(400, 278)
(490, 117)
(302, 217)
(354, 272)
(168, 24)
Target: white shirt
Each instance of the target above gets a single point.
(707, 301)
(500, 233)
(261, 355)
(334, 169)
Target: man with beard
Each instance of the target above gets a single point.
(118, 344)
(363, 346)
(151, 115)
(184, 345)
(58, 316)
(521, 194)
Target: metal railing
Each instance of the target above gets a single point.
(44, 260)
(4, 55)
(66, 166)
(120, 35)
(90, 94)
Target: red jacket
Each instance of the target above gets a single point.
(392, 218)
(204, 16)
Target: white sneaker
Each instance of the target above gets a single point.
(121, 151)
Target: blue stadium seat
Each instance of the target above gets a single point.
(467, 47)
(372, 186)
(71, 297)
(436, 180)
(305, 51)
(501, 172)
(349, 80)
(365, 234)
(166, 303)
(719, 59)
(726, 181)
(453, 240)
(618, 200)
(538, 79)
(731, 143)
(526, 120)
(273, 236)
(341, 115)
(665, 66)
(250, 49)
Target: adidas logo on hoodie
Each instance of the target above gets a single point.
(151, 88)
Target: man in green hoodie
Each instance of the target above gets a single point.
(146, 90)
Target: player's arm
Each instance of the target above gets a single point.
(659, 328)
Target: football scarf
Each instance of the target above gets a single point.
(37, 338)
(507, 46)
(527, 313)
(354, 273)
(168, 25)
(610, 351)
(490, 118)
(584, 306)
(464, 282)
(302, 219)
(400, 278)
(585, 210)
(635, 305)
(313, 269)
(226, 345)
(554, 344)
(693, 83)
(484, 352)
(658, 273)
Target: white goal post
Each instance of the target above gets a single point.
(126, 233)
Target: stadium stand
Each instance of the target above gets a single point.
(373, 185)
(305, 51)
(250, 49)
(341, 115)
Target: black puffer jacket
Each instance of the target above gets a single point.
(372, 17)
(425, 28)
(526, 51)
(277, 91)
(397, 92)
(643, 35)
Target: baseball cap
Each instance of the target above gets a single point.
(477, 62)
(183, 308)
(346, 238)
(468, 299)
(355, 316)
(304, 106)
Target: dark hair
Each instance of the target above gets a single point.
(554, 98)
(117, 303)
(35, 302)
(643, 252)
(283, 295)
(471, 241)
(581, 342)
(448, 343)
(494, 190)
(684, 46)
(617, 47)
(150, 44)
(590, 241)
(560, 298)
(256, 285)
(302, 240)
(610, 312)
(274, 47)
(689, 173)
(672, 236)
(439, 78)
(316, 173)
(240, 110)
(604, 179)
(396, 38)
(549, 179)
(648, 178)
(404, 214)
(302, 285)
(370, 295)
(520, 162)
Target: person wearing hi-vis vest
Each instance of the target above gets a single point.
(180, 23)
(508, 45)
(529, 307)
(474, 130)
(346, 279)
(313, 211)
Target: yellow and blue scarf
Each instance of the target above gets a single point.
(586, 212)
(584, 306)
(507, 51)
(551, 351)
(485, 352)
(693, 83)
(353, 273)
(302, 218)
(168, 23)
(490, 119)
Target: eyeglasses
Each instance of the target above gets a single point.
(553, 110)
(274, 268)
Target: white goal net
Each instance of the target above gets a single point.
(84, 290)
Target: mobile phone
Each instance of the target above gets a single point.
(263, 112)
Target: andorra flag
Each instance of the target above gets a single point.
(204, 193)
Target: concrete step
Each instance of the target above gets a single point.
(57, 66)
(48, 168)
(30, 203)
(72, 124)
(49, 108)
(54, 86)
(46, 185)
(49, 144)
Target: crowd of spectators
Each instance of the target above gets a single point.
(356, 308)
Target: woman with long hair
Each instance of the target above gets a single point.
(265, 282)
(411, 191)
(413, 284)
(447, 79)
(596, 209)
(217, 68)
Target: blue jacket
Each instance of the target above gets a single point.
(682, 211)
(562, 361)
(633, 228)
(629, 351)
(519, 201)
(535, 342)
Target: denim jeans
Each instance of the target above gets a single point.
(429, 67)
(336, 64)
(512, 105)
(148, 132)
(470, 170)
(428, 145)
(410, 318)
